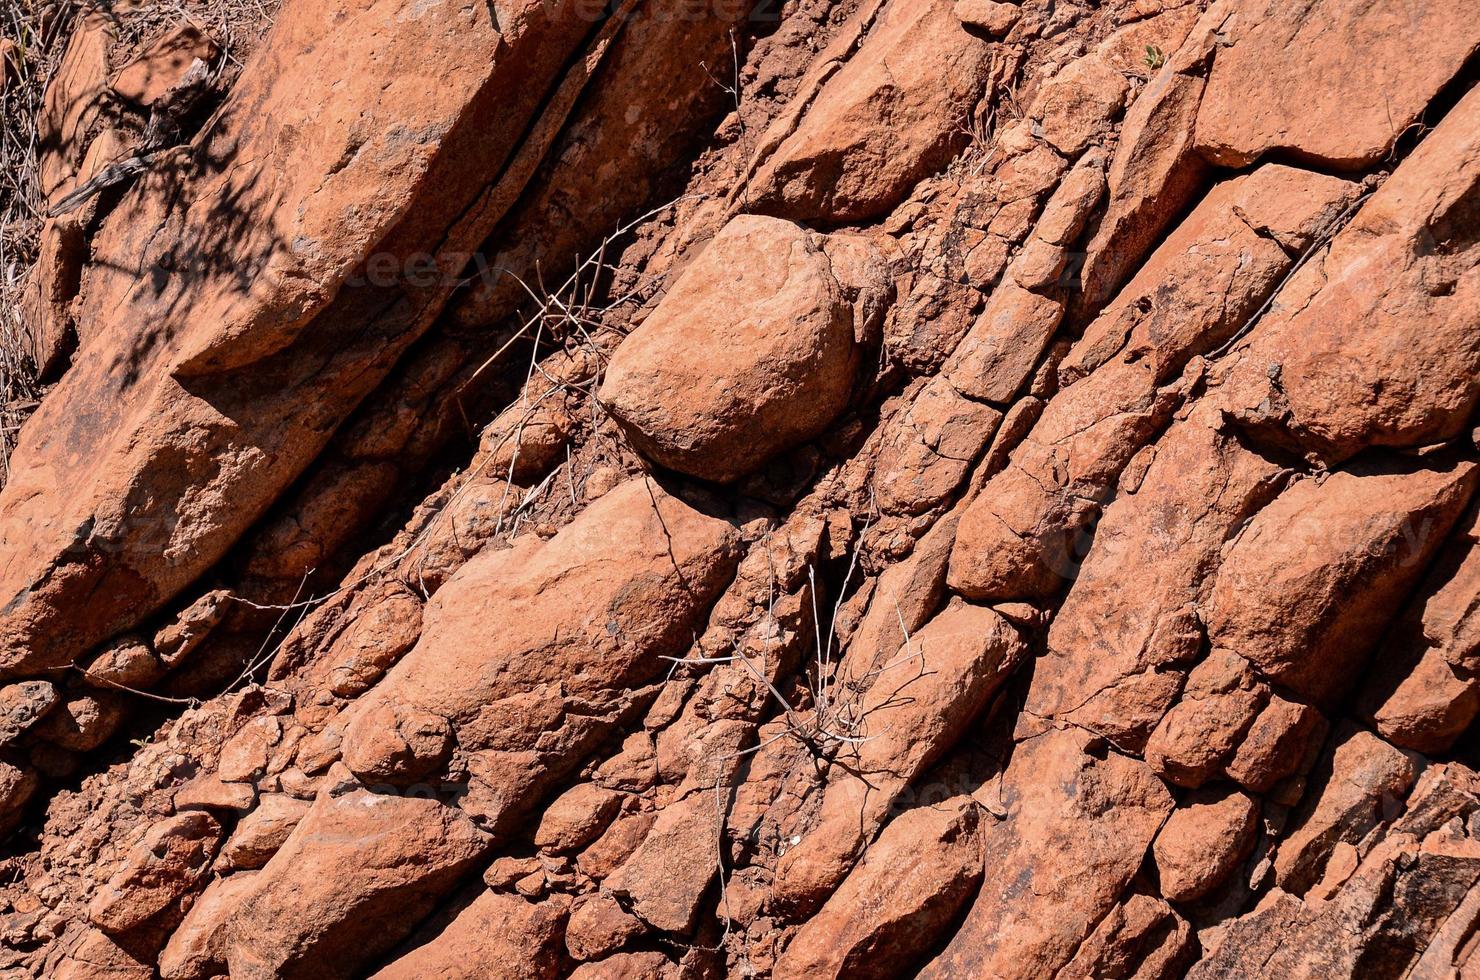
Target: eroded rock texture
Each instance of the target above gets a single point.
(851, 488)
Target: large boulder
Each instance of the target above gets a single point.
(353, 879)
(528, 656)
(1282, 83)
(753, 350)
(229, 322)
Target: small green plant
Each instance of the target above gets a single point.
(1154, 57)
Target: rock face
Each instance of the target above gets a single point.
(842, 488)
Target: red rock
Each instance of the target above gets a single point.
(397, 744)
(195, 945)
(1116, 654)
(1199, 735)
(1154, 173)
(636, 571)
(1403, 911)
(1277, 85)
(1142, 936)
(599, 927)
(1360, 785)
(494, 936)
(1077, 828)
(96, 956)
(842, 160)
(898, 902)
(576, 817)
(1203, 842)
(628, 966)
(665, 879)
(244, 756)
(928, 449)
(997, 355)
(1305, 591)
(1280, 743)
(934, 687)
(162, 64)
(1015, 540)
(1076, 106)
(352, 880)
(1372, 346)
(612, 848)
(1423, 692)
(989, 15)
(752, 351)
(157, 871)
(260, 834)
(17, 786)
(82, 722)
(127, 663)
(22, 705)
(140, 430)
(72, 103)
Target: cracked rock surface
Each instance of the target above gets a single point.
(850, 488)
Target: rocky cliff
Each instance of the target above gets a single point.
(834, 488)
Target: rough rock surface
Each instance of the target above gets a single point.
(843, 488)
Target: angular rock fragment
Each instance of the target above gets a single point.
(1305, 591)
(898, 901)
(1203, 842)
(848, 157)
(353, 879)
(1278, 84)
(160, 869)
(494, 936)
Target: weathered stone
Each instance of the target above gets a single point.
(1211, 274)
(576, 818)
(352, 880)
(751, 352)
(991, 16)
(1372, 345)
(1222, 699)
(899, 900)
(1203, 841)
(936, 685)
(1306, 589)
(1076, 830)
(843, 160)
(1116, 655)
(82, 722)
(159, 870)
(162, 64)
(493, 936)
(196, 401)
(528, 692)
(1362, 783)
(260, 834)
(22, 705)
(1278, 85)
